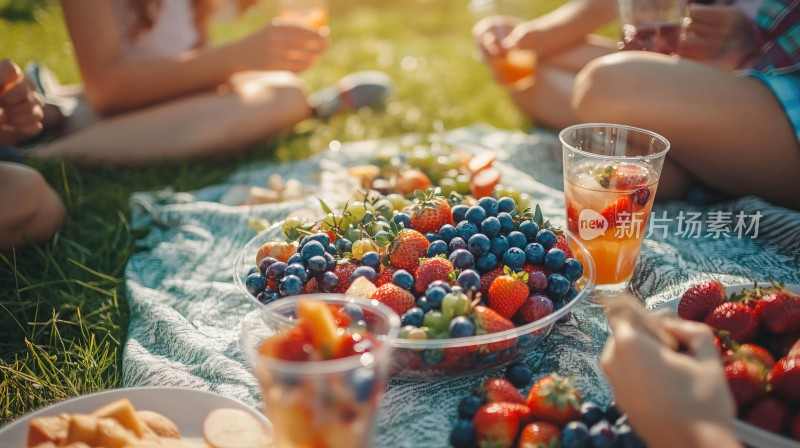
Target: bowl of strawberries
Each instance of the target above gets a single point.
(757, 328)
(478, 283)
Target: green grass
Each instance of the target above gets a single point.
(63, 312)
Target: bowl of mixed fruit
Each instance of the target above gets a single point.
(478, 283)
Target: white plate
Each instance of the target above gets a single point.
(749, 434)
(186, 407)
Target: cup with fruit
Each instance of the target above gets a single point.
(321, 362)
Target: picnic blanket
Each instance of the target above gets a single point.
(186, 311)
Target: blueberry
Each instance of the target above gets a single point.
(476, 214)
(603, 435)
(573, 269)
(572, 292)
(462, 259)
(442, 284)
(331, 250)
(612, 412)
(519, 375)
(255, 283)
(463, 434)
(479, 244)
(489, 205)
(413, 317)
(554, 259)
(296, 258)
(506, 222)
(490, 226)
(317, 265)
(436, 248)
(253, 270)
(517, 239)
(330, 262)
(499, 246)
(371, 259)
(626, 438)
(468, 406)
(297, 270)
(267, 297)
(322, 238)
(364, 271)
(343, 246)
(529, 229)
(423, 304)
(363, 381)
(313, 249)
(557, 305)
(459, 212)
(506, 204)
(546, 238)
(291, 285)
(466, 229)
(457, 243)
(591, 414)
(534, 254)
(328, 282)
(275, 271)
(431, 237)
(435, 296)
(557, 286)
(402, 219)
(403, 279)
(265, 263)
(469, 280)
(575, 435)
(526, 340)
(447, 233)
(514, 258)
(486, 263)
(461, 327)
(353, 311)
(537, 281)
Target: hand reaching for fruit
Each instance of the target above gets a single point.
(688, 402)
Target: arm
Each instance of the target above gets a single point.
(114, 84)
(20, 106)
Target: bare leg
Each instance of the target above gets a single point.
(727, 131)
(253, 107)
(547, 102)
(30, 211)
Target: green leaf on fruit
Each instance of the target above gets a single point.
(538, 217)
(382, 241)
(324, 206)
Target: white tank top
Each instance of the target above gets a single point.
(173, 31)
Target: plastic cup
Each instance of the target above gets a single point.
(310, 13)
(651, 25)
(611, 175)
(330, 403)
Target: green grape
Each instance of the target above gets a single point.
(514, 194)
(417, 334)
(398, 201)
(331, 221)
(448, 185)
(455, 305)
(384, 207)
(291, 223)
(406, 331)
(524, 201)
(462, 183)
(436, 322)
(421, 158)
(354, 212)
(501, 191)
(353, 234)
(449, 162)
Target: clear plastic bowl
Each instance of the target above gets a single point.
(453, 357)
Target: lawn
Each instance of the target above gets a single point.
(63, 310)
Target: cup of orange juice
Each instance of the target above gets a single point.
(611, 175)
(310, 13)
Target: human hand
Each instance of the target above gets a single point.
(20, 106)
(718, 34)
(489, 34)
(282, 46)
(671, 398)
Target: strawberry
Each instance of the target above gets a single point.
(539, 435)
(430, 270)
(293, 345)
(496, 390)
(795, 350)
(488, 321)
(406, 247)
(769, 414)
(430, 212)
(386, 275)
(311, 287)
(563, 244)
(623, 208)
(395, 297)
(508, 292)
(497, 424)
(700, 299)
(746, 382)
(752, 353)
(572, 219)
(784, 379)
(794, 426)
(488, 278)
(481, 161)
(621, 177)
(534, 308)
(343, 269)
(554, 399)
(483, 182)
(779, 311)
(738, 319)
(408, 181)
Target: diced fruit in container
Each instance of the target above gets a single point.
(361, 287)
(320, 324)
(276, 249)
(123, 412)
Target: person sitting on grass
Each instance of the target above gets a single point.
(155, 88)
(735, 131)
(30, 211)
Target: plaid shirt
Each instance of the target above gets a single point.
(777, 26)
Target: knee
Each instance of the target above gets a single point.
(609, 88)
(34, 210)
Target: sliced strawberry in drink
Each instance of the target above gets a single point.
(621, 177)
(623, 208)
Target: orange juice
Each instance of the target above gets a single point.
(516, 68)
(312, 16)
(608, 206)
